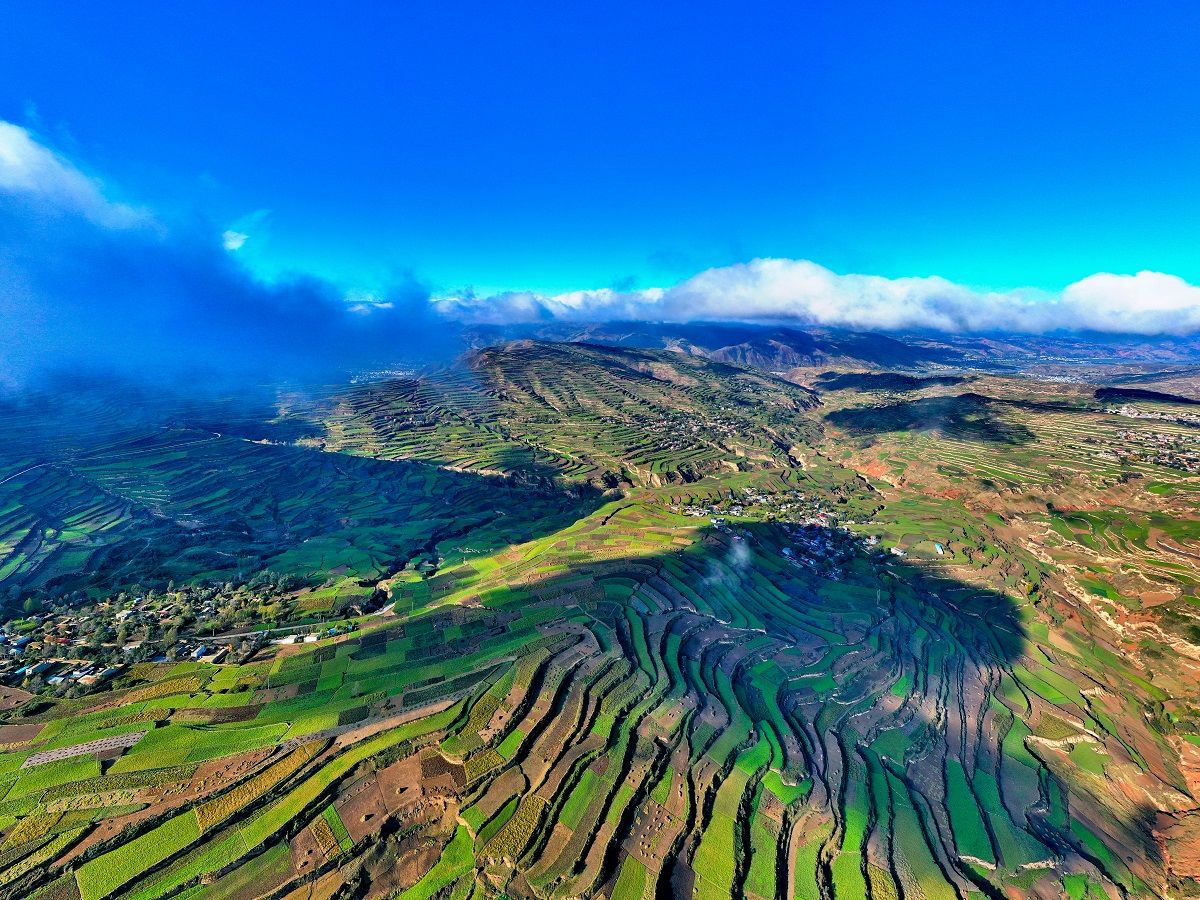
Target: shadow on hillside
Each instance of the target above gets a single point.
(1042, 406)
(831, 576)
(883, 381)
(218, 492)
(1126, 395)
(523, 465)
(869, 644)
(849, 629)
(966, 417)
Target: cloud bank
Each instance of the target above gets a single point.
(87, 282)
(805, 293)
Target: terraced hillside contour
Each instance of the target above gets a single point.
(586, 412)
(833, 672)
(185, 502)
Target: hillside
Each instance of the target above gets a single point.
(611, 416)
(754, 346)
(778, 348)
(571, 620)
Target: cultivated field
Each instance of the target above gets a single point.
(898, 638)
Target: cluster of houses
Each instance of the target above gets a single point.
(786, 503)
(62, 646)
(309, 634)
(49, 650)
(1133, 412)
(57, 672)
(818, 540)
(820, 546)
(1175, 451)
(28, 653)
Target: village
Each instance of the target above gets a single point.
(1132, 412)
(1175, 451)
(820, 542)
(73, 647)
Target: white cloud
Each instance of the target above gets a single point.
(250, 226)
(233, 240)
(364, 303)
(806, 293)
(89, 282)
(34, 172)
(1145, 303)
(36, 182)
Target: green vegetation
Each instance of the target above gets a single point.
(100, 877)
(701, 635)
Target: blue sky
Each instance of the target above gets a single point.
(293, 191)
(527, 147)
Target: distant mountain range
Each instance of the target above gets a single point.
(781, 348)
(754, 346)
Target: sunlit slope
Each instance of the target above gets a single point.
(640, 704)
(181, 503)
(587, 412)
(866, 660)
(1107, 501)
(96, 495)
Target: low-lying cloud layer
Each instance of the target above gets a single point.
(87, 281)
(803, 292)
(90, 283)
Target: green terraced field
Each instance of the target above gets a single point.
(804, 649)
